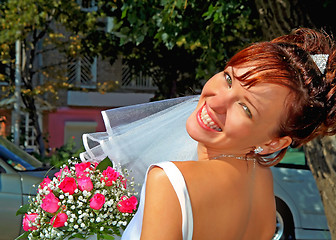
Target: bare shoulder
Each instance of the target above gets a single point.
(162, 212)
(217, 185)
(204, 173)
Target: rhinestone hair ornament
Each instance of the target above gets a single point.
(320, 61)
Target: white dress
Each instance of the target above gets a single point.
(133, 230)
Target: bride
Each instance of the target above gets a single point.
(270, 96)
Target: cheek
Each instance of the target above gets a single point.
(241, 130)
(238, 127)
(191, 125)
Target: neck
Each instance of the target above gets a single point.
(222, 156)
(209, 154)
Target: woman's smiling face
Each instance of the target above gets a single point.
(233, 119)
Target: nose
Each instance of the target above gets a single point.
(222, 100)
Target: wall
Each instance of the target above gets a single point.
(65, 118)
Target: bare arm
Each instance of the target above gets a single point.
(162, 212)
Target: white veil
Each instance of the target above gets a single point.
(140, 135)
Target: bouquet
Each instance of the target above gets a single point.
(82, 199)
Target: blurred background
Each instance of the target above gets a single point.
(64, 61)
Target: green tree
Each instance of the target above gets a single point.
(43, 26)
(176, 42)
(179, 42)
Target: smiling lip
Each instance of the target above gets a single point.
(206, 121)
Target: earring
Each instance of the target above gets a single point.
(258, 150)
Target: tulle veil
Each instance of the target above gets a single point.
(140, 135)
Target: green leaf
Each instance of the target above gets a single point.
(24, 209)
(140, 39)
(108, 237)
(104, 164)
(77, 235)
(23, 236)
(124, 13)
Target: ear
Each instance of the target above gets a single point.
(276, 144)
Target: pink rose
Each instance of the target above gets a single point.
(127, 205)
(29, 218)
(110, 175)
(50, 203)
(68, 185)
(81, 167)
(45, 182)
(123, 181)
(97, 201)
(59, 220)
(85, 183)
(63, 171)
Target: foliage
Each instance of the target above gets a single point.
(176, 42)
(179, 42)
(42, 27)
(60, 155)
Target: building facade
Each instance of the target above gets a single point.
(78, 110)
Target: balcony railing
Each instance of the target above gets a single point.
(82, 72)
(137, 81)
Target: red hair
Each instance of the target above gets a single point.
(310, 107)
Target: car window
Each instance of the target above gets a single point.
(16, 157)
(294, 158)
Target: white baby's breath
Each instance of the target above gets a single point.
(81, 218)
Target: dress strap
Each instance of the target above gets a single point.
(177, 180)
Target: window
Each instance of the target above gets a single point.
(82, 72)
(294, 158)
(29, 132)
(88, 5)
(75, 130)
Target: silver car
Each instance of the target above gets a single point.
(300, 213)
(19, 171)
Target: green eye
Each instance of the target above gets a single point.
(228, 79)
(246, 110)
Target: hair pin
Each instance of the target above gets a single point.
(320, 61)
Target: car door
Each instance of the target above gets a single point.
(10, 202)
(294, 177)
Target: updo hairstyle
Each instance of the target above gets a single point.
(310, 108)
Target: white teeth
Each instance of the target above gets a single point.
(208, 121)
